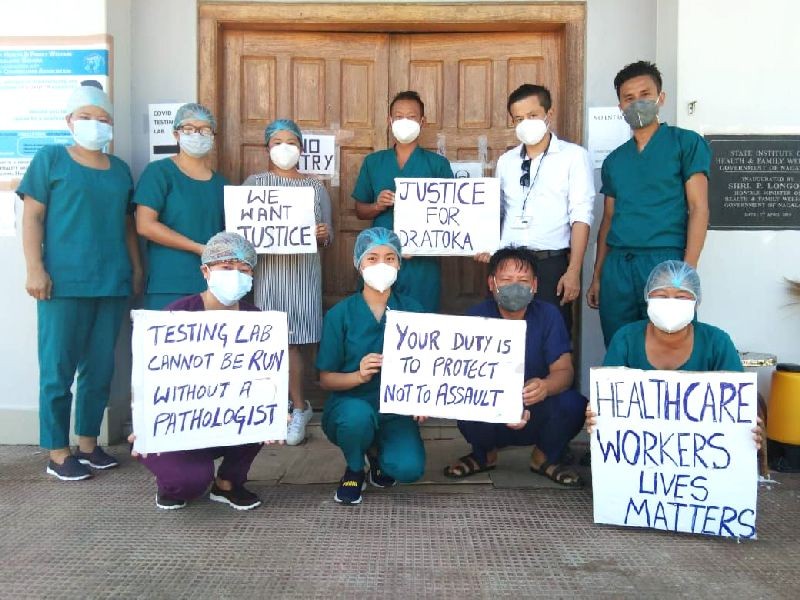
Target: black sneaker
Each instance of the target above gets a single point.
(167, 503)
(239, 498)
(70, 470)
(350, 487)
(376, 477)
(97, 458)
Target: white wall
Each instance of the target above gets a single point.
(738, 61)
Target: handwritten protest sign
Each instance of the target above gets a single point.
(276, 220)
(204, 379)
(468, 368)
(674, 450)
(447, 217)
(317, 157)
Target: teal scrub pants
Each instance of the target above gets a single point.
(75, 334)
(625, 273)
(420, 278)
(160, 301)
(355, 425)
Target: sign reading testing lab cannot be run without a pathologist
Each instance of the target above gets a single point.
(447, 217)
(468, 368)
(674, 450)
(205, 379)
(275, 219)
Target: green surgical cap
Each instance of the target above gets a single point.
(88, 95)
(282, 125)
(193, 112)
(229, 246)
(673, 274)
(373, 237)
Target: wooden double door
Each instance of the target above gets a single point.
(341, 84)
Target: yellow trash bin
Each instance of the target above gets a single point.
(783, 420)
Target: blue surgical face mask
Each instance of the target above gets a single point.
(91, 134)
(514, 296)
(195, 144)
(229, 285)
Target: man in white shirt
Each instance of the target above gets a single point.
(547, 197)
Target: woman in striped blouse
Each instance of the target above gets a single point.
(292, 283)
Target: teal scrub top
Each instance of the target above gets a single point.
(713, 349)
(84, 248)
(194, 209)
(378, 172)
(350, 331)
(648, 188)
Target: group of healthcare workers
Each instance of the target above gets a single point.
(82, 215)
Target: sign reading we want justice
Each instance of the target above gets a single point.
(674, 450)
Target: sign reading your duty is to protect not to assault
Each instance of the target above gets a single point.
(674, 450)
(468, 368)
(275, 219)
(447, 217)
(205, 379)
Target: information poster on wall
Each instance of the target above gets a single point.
(447, 217)
(469, 368)
(37, 76)
(607, 131)
(674, 450)
(318, 155)
(467, 169)
(275, 219)
(160, 118)
(211, 378)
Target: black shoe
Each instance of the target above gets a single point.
(167, 503)
(376, 477)
(239, 498)
(350, 487)
(70, 470)
(97, 458)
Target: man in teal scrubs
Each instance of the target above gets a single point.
(349, 360)
(82, 258)
(420, 277)
(656, 201)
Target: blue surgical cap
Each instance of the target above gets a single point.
(282, 125)
(673, 274)
(193, 112)
(373, 237)
(88, 95)
(229, 246)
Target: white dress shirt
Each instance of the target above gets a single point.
(561, 194)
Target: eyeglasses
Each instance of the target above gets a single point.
(191, 129)
(525, 180)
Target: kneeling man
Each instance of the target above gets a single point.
(554, 412)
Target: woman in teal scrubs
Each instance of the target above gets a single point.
(349, 361)
(180, 206)
(82, 262)
(419, 278)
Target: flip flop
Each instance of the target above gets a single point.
(561, 474)
(467, 465)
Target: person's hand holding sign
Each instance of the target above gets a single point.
(385, 200)
(321, 232)
(369, 365)
(535, 391)
(526, 416)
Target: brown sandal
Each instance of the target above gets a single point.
(560, 474)
(466, 466)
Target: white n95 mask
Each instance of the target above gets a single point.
(379, 277)
(405, 131)
(670, 314)
(284, 156)
(531, 131)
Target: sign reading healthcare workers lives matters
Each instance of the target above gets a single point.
(276, 220)
(447, 217)
(204, 379)
(674, 450)
(469, 368)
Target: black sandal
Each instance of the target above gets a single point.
(466, 466)
(560, 474)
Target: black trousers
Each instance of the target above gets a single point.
(548, 271)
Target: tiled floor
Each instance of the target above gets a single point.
(514, 538)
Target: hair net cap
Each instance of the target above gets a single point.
(88, 95)
(372, 238)
(229, 246)
(193, 112)
(282, 125)
(673, 274)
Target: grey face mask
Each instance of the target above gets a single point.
(640, 113)
(514, 296)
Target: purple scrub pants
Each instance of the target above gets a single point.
(187, 474)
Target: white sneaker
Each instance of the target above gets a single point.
(296, 432)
